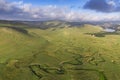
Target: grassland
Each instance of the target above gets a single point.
(67, 53)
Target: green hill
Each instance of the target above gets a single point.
(67, 53)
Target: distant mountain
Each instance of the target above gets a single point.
(57, 23)
(110, 25)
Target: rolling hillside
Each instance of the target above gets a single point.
(58, 53)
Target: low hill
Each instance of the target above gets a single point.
(55, 53)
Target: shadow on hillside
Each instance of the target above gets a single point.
(102, 34)
(18, 29)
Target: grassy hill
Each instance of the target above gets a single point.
(58, 53)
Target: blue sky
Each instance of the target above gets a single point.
(54, 2)
(68, 10)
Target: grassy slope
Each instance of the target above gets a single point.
(52, 47)
(66, 41)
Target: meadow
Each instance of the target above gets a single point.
(67, 53)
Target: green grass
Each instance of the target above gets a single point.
(59, 54)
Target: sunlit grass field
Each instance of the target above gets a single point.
(67, 53)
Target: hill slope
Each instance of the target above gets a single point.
(67, 53)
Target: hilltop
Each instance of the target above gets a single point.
(59, 23)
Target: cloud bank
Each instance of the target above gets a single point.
(26, 11)
(103, 5)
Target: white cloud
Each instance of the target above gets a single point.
(112, 3)
(26, 11)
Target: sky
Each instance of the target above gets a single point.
(68, 10)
